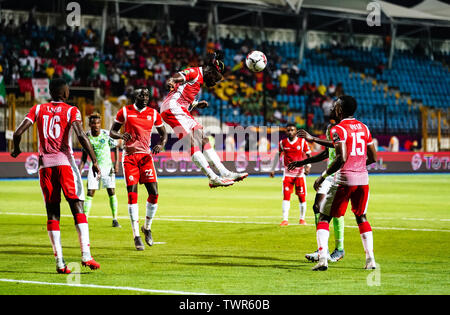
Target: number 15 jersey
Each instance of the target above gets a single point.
(54, 124)
(356, 137)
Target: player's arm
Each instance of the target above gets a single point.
(173, 80)
(341, 158)
(162, 139)
(17, 137)
(116, 159)
(275, 162)
(83, 161)
(311, 159)
(86, 144)
(115, 132)
(371, 154)
(308, 165)
(304, 134)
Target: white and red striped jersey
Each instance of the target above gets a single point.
(54, 125)
(184, 93)
(139, 124)
(356, 137)
(294, 150)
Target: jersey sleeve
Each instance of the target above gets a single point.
(338, 134)
(189, 74)
(75, 115)
(369, 136)
(120, 117)
(32, 114)
(158, 120)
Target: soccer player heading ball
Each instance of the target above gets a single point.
(138, 120)
(184, 87)
(57, 168)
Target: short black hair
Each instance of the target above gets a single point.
(94, 116)
(291, 125)
(348, 104)
(56, 85)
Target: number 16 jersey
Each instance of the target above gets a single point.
(54, 124)
(356, 137)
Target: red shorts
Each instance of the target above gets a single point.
(358, 195)
(300, 187)
(181, 121)
(139, 168)
(52, 179)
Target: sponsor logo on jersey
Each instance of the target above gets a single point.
(336, 137)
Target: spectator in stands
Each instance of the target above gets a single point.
(321, 89)
(327, 105)
(394, 144)
(331, 89)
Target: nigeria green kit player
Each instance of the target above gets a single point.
(338, 223)
(102, 144)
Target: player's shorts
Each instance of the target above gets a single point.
(65, 177)
(338, 197)
(181, 121)
(300, 187)
(326, 185)
(107, 179)
(139, 168)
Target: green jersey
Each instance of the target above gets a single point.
(331, 151)
(102, 145)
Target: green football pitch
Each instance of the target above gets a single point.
(228, 241)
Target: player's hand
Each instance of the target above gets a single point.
(157, 148)
(303, 134)
(116, 169)
(307, 169)
(318, 182)
(16, 153)
(96, 170)
(126, 136)
(202, 104)
(272, 174)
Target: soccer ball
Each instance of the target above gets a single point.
(256, 61)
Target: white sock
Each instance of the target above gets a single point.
(286, 205)
(302, 210)
(322, 235)
(199, 159)
(83, 236)
(151, 211)
(133, 211)
(367, 240)
(213, 158)
(55, 239)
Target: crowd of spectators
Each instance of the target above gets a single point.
(131, 58)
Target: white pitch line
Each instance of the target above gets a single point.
(103, 287)
(232, 222)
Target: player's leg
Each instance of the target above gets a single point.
(88, 201)
(360, 200)
(92, 186)
(339, 252)
(288, 188)
(131, 174)
(51, 190)
(113, 204)
(335, 206)
(151, 208)
(199, 159)
(300, 191)
(72, 186)
(318, 202)
(214, 159)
